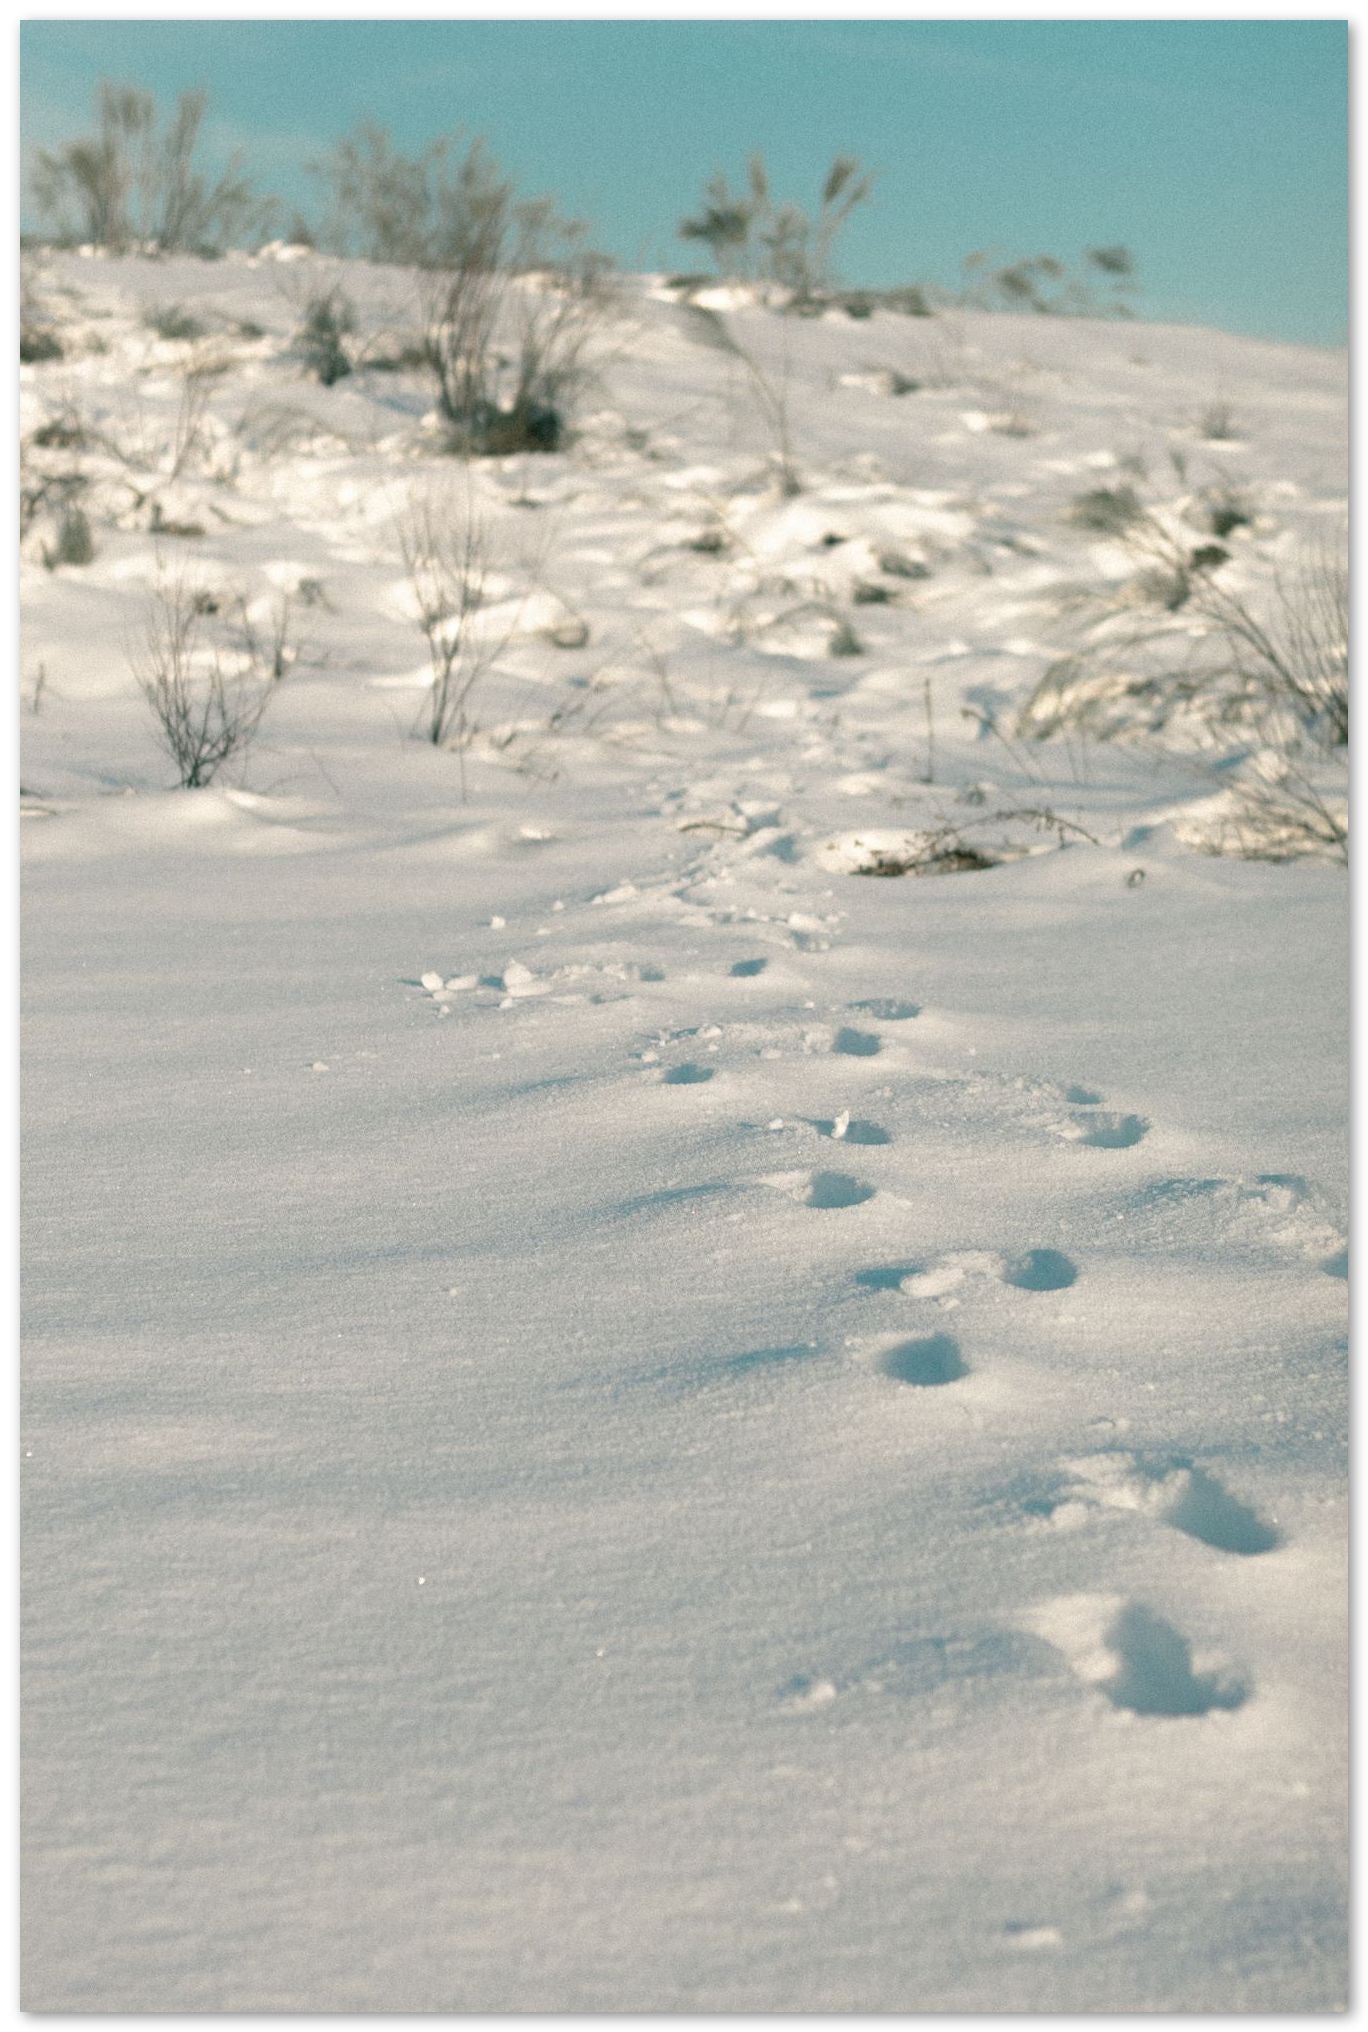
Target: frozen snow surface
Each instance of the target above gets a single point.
(618, 1416)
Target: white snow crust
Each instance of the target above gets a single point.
(618, 1416)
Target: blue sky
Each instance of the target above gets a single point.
(1217, 151)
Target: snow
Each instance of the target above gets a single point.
(617, 1415)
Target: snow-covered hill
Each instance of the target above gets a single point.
(619, 1416)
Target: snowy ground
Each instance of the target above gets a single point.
(766, 1440)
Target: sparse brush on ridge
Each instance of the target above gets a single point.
(1103, 286)
(510, 294)
(508, 328)
(750, 236)
(207, 701)
(413, 211)
(125, 185)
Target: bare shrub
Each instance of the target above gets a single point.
(39, 342)
(748, 234)
(170, 321)
(39, 338)
(1101, 286)
(799, 245)
(329, 320)
(125, 185)
(444, 549)
(1260, 675)
(510, 294)
(956, 846)
(725, 218)
(189, 435)
(207, 703)
(770, 392)
(1222, 510)
(74, 543)
(385, 205)
(42, 493)
(1295, 652)
(508, 324)
(271, 649)
(1106, 511)
(1217, 423)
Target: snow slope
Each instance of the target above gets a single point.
(618, 1417)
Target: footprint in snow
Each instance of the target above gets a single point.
(1034, 1270)
(885, 1010)
(1281, 1210)
(844, 1129)
(1140, 1662)
(806, 1693)
(886, 1276)
(851, 1043)
(746, 970)
(1040, 1270)
(1097, 1129)
(1187, 1498)
(688, 1075)
(1103, 1131)
(926, 1364)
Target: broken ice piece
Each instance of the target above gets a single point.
(459, 983)
(432, 982)
(840, 1125)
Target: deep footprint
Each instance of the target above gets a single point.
(1041, 1270)
(886, 1276)
(687, 1075)
(835, 1189)
(856, 1043)
(1139, 1662)
(1154, 1674)
(1204, 1510)
(1186, 1498)
(868, 1133)
(1105, 1132)
(746, 970)
(925, 1363)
